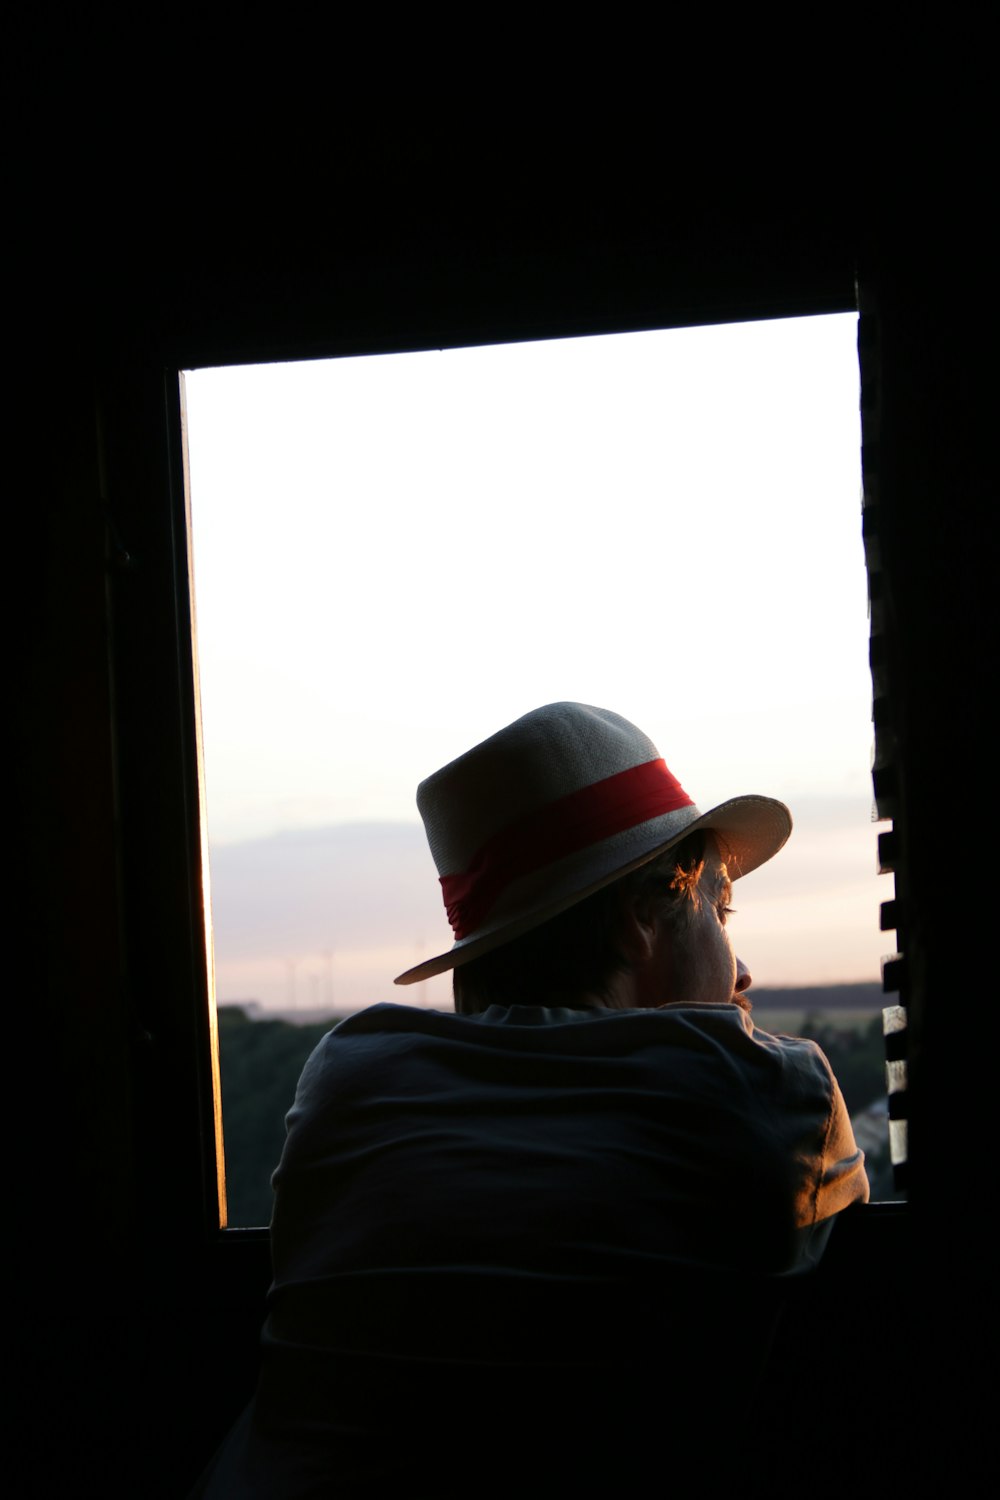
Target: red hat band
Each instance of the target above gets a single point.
(552, 832)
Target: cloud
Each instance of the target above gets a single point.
(351, 886)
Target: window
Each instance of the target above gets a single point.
(394, 555)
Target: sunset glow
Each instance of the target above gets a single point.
(394, 556)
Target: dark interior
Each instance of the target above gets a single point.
(154, 247)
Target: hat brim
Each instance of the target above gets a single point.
(750, 830)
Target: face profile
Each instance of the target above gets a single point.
(697, 964)
(681, 953)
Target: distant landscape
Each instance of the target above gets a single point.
(263, 1053)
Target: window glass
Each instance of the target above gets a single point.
(396, 555)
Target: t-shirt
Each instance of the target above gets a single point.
(528, 1142)
(515, 1252)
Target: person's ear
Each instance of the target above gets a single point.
(638, 929)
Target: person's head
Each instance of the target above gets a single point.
(569, 820)
(655, 937)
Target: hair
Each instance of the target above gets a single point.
(577, 952)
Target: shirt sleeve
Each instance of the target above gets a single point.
(841, 1178)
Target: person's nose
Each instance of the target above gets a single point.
(744, 979)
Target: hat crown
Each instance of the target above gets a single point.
(543, 756)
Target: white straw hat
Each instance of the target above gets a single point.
(560, 803)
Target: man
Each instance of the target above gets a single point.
(597, 1159)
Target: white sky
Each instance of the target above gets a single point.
(397, 555)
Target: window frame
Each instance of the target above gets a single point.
(160, 779)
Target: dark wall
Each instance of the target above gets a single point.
(166, 255)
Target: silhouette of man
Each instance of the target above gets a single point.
(564, 1207)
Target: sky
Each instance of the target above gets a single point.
(396, 555)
